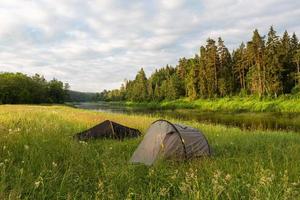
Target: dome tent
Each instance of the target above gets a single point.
(108, 129)
(170, 141)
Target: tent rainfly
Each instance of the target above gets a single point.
(108, 129)
(170, 141)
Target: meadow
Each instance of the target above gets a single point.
(228, 104)
(40, 160)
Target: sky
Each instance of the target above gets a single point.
(95, 44)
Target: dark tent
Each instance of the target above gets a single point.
(108, 129)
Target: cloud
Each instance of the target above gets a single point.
(96, 44)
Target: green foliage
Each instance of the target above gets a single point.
(192, 80)
(266, 66)
(273, 66)
(240, 67)
(20, 88)
(296, 60)
(140, 87)
(243, 102)
(75, 96)
(40, 160)
(296, 90)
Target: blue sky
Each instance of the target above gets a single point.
(95, 45)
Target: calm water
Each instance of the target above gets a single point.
(244, 120)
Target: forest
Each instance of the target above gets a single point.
(18, 88)
(265, 66)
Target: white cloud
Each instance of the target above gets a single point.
(171, 4)
(96, 44)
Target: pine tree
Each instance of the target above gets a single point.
(294, 43)
(202, 84)
(140, 87)
(183, 71)
(212, 68)
(273, 84)
(263, 68)
(287, 66)
(157, 93)
(192, 81)
(164, 90)
(240, 65)
(225, 81)
(295, 51)
(296, 60)
(122, 92)
(150, 90)
(256, 73)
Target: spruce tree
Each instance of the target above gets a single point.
(225, 73)
(296, 60)
(202, 84)
(240, 65)
(295, 51)
(256, 53)
(192, 81)
(273, 84)
(157, 93)
(140, 87)
(150, 90)
(287, 66)
(212, 68)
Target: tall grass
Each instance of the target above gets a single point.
(40, 160)
(253, 104)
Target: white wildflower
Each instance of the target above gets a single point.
(38, 182)
(295, 183)
(54, 164)
(163, 191)
(174, 176)
(26, 147)
(228, 177)
(83, 142)
(151, 172)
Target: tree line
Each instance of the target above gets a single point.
(18, 88)
(264, 66)
(76, 96)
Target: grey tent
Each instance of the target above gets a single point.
(108, 129)
(170, 141)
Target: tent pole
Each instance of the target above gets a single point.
(181, 139)
(112, 128)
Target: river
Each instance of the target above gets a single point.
(243, 120)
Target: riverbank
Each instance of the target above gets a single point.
(228, 104)
(289, 121)
(40, 160)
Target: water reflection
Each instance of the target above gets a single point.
(244, 120)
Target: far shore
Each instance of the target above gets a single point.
(230, 104)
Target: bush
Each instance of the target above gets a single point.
(296, 90)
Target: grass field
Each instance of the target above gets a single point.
(231, 104)
(40, 160)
